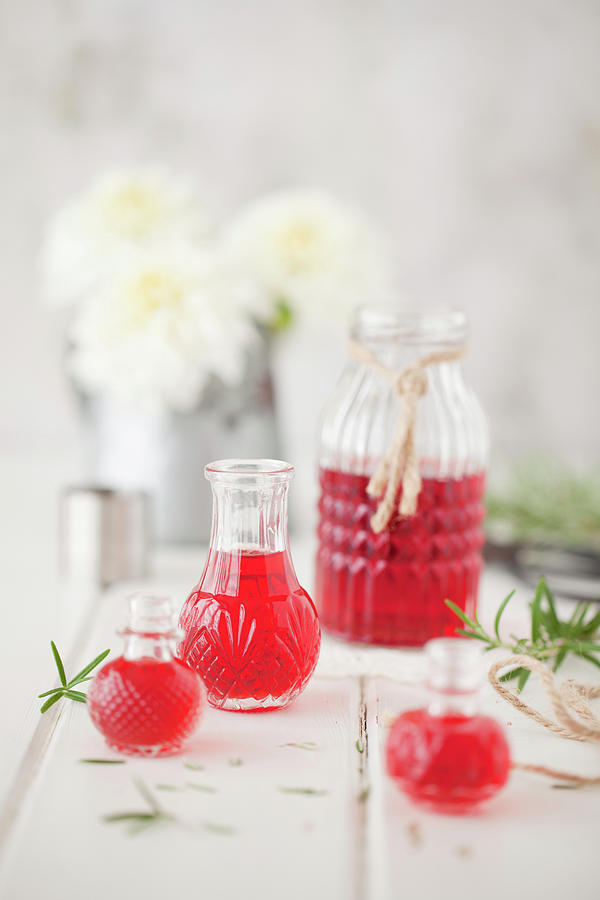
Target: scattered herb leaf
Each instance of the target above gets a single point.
(302, 745)
(415, 834)
(104, 762)
(360, 746)
(236, 761)
(207, 788)
(140, 820)
(66, 689)
(313, 792)
(216, 828)
(167, 787)
(364, 794)
(195, 767)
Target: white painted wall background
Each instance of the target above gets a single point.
(469, 130)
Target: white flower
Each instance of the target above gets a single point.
(123, 213)
(310, 252)
(164, 325)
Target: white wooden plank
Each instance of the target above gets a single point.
(531, 840)
(299, 845)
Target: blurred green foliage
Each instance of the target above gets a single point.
(546, 502)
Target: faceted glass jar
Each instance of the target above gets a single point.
(447, 756)
(146, 702)
(389, 587)
(251, 631)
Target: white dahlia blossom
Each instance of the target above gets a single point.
(123, 213)
(313, 256)
(162, 327)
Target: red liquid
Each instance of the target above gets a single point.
(450, 763)
(145, 707)
(390, 588)
(251, 631)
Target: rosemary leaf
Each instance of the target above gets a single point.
(523, 679)
(58, 690)
(308, 791)
(128, 816)
(78, 696)
(146, 793)
(301, 745)
(59, 664)
(87, 669)
(104, 762)
(46, 706)
(215, 828)
(461, 614)
(501, 609)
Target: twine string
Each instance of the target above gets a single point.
(571, 697)
(400, 463)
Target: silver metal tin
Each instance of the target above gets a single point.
(104, 534)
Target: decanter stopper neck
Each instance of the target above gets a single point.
(152, 630)
(454, 675)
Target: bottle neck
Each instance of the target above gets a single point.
(249, 517)
(442, 703)
(398, 338)
(158, 647)
(454, 676)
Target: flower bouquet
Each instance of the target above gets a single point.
(173, 319)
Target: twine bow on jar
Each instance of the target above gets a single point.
(400, 463)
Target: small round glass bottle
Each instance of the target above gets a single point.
(146, 702)
(386, 585)
(447, 756)
(250, 630)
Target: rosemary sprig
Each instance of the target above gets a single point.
(66, 687)
(551, 638)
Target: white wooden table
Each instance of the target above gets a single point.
(242, 830)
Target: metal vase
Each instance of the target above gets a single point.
(164, 453)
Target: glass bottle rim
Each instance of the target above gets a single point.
(249, 472)
(150, 615)
(382, 322)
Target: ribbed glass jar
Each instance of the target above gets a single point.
(388, 587)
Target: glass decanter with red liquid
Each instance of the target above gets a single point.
(387, 584)
(147, 702)
(447, 756)
(250, 630)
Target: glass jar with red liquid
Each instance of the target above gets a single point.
(447, 756)
(146, 702)
(251, 631)
(403, 411)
